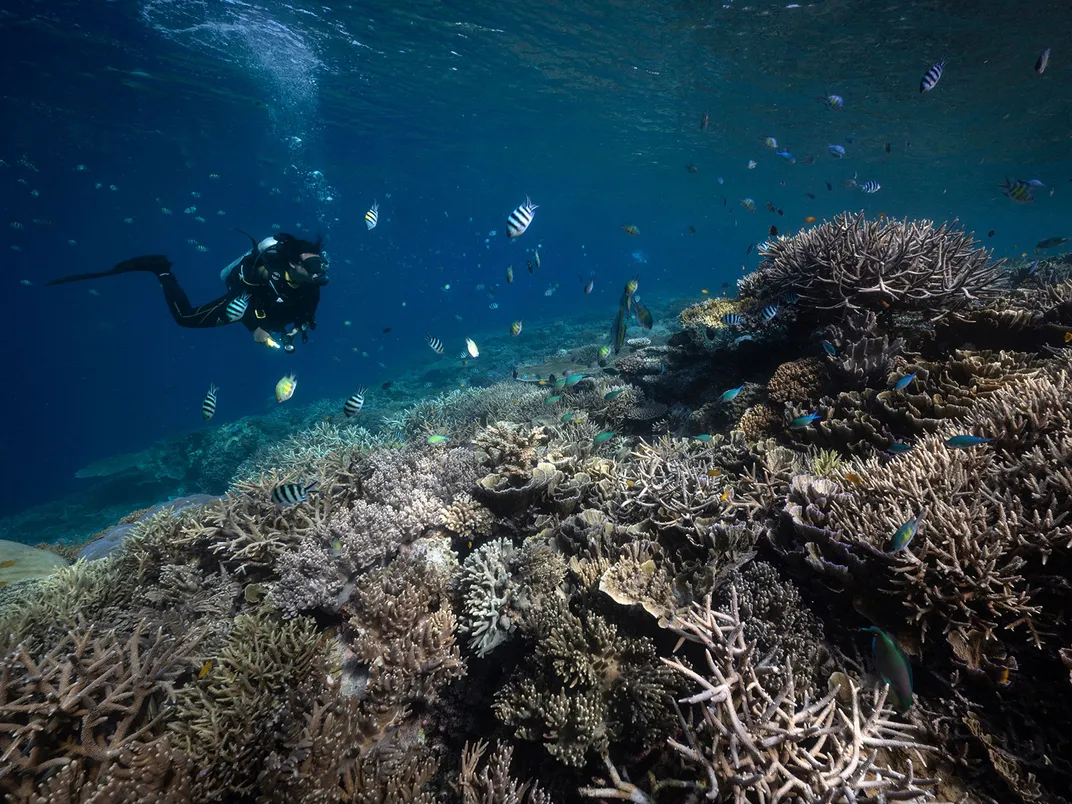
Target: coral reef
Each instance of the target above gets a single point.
(850, 263)
(656, 587)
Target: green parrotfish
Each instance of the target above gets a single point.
(894, 667)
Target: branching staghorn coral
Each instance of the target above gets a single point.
(492, 783)
(675, 485)
(90, 696)
(850, 263)
(758, 740)
(228, 720)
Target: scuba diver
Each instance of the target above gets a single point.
(273, 289)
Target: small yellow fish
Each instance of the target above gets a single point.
(1068, 337)
(284, 389)
(725, 495)
(714, 472)
(810, 219)
(515, 328)
(630, 229)
(206, 668)
(9, 563)
(853, 478)
(703, 291)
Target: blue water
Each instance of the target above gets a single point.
(448, 114)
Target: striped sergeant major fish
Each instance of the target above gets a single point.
(286, 494)
(237, 307)
(355, 403)
(932, 77)
(871, 186)
(435, 343)
(372, 216)
(520, 219)
(208, 407)
(768, 312)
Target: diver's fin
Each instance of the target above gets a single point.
(256, 245)
(150, 263)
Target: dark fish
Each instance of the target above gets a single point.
(355, 403)
(990, 233)
(386, 330)
(779, 211)
(894, 667)
(691, 168)
(810, 195)
(886, 147)
(790, 297)
(529, 264)
(808, 160)
(771, 207)
(643, 314)
(828, 187)
(208, 407)
(748, 250)
(692, 230)
(773, 231)
(1043, 60)
(518, 220)
(387, 385)
(705, 118)
(291, 493)
(931, 77)
(1051, 242)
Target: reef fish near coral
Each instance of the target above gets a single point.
(800, 422)
(354, 403)
(966, 441)
(284, 389)
(292, 493)
(905, 533)
(208, 407)
(731, 394)
(894, 667)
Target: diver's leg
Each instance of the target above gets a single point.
(210, 314)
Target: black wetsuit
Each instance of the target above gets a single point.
(275, 305)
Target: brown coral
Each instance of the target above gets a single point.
(850, 263)
(797, 381)
(759, 422)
